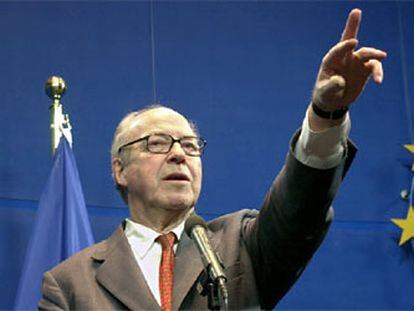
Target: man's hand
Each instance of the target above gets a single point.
(344, 71)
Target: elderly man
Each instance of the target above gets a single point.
(156, 164)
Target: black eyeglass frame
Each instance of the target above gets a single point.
(173, 141)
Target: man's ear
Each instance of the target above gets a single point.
(118, 172)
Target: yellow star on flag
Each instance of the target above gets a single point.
(407, 225)
(409, 148)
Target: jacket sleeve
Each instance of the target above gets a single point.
(291, 224)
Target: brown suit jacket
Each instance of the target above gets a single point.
(263, 252)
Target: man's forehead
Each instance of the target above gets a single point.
(162, 119)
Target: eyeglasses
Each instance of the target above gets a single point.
(162, 143)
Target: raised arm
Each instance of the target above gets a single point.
(297, 212)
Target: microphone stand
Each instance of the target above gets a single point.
(217, 300)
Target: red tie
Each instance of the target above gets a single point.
(166, 277)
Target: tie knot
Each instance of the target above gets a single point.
(167, 240)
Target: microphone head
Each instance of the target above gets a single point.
(194, 220)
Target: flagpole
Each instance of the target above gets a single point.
(62, 225)
(55, 88)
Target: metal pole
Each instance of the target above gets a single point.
(59, 123)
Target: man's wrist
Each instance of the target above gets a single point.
(330, 115)
(322, 143)
(319, 124)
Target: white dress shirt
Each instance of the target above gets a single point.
(147, 252)
(316, 149)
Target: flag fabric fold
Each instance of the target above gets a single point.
(61, 228)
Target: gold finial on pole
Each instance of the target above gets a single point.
(55, 88)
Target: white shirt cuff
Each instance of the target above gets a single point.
(323, 149)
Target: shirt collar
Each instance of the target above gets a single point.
(145, 237)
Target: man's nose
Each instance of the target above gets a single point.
(176, 153)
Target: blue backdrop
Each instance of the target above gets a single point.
(244, 72)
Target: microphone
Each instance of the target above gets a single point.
(195, 227)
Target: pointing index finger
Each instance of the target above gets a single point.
(352, 25)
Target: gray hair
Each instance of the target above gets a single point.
(121, 137)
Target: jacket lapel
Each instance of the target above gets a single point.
(120, 274)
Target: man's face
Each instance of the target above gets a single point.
(169, 181)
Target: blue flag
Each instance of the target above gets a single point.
(61, 228)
